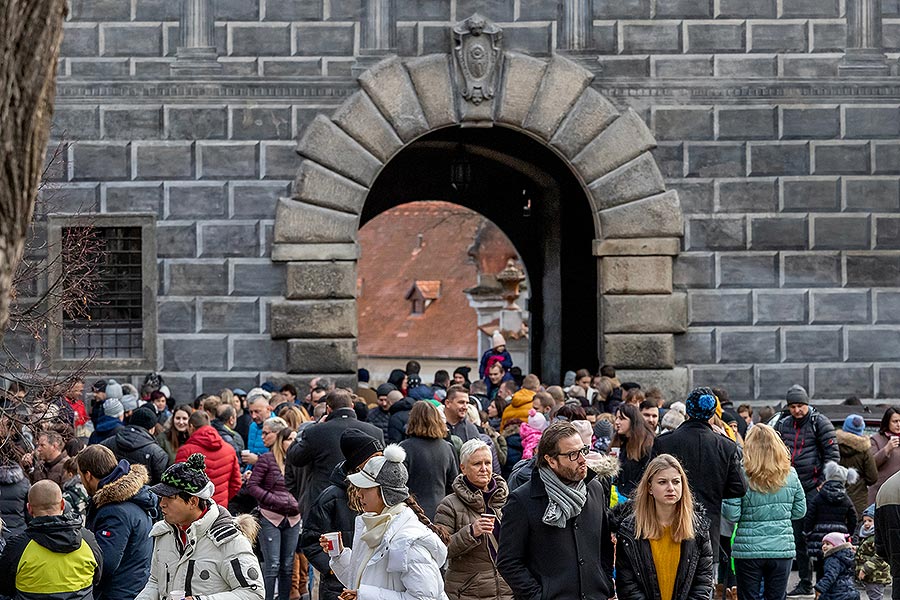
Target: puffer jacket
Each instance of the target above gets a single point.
(137, 446)
(121, 514)
(831, 510)
(518, 408)
(472, 573)
(221, 462)
(887, 463)
(530, 437)
(855, 454)
(513, 448)
(406, 565)
(380, 418)
(13, 497)
(636, 573)
(838, 581)
(217, 563)
(267, 486)
(812, 443)
(763, 520)
(399, 418)
(106, 427)
(329, 512)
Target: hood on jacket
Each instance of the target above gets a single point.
(207, 438)
(59, 533)
(132, 438)
(338, 477)
(106, 423)
(522, 398)
(833, 491)
(11, 474)
(851, 443)
(129, 487)
(604, 465)
(843, 553)
(406, 403)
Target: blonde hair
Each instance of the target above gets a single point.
(275, 425)
(766, 459)
(646, 525)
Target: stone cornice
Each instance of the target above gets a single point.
(333, 90)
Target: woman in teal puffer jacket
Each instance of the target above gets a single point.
(764, 540)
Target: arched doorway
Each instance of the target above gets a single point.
(635, 225)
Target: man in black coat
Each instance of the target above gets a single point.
(331, 510)
(380, 415)
(811, 440)
(399, 418)
(318, 449)
(887, 528)
(712, 461)
(566, 552)
(134, 443)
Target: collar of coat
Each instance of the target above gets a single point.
(475, 498)
(859, 443)
(217, 524)
(123, 488)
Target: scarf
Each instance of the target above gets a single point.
(866, 531)
(565, 501)
(376, 525)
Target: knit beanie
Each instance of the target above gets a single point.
(854, 424)
(870, 511)
(537, 420)
(497, 340)
(144, 417)
(357, 446)
(569, 378)
(835, 539)
(387, 472)
(835, 472)
(603, 429)
(114, 389)
(113, 408)
(129, 402)
(384, 389)
(99, 386)
(189, 476)
(796, 395)
(585, 431)
(701, 404)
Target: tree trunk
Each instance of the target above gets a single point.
(30, 36)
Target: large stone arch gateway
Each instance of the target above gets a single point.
(637, 223)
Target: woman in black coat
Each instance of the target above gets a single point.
(430, 459)
(633, 444)
(663, 550)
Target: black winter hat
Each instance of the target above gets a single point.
(796, 395)
(144, 417)
(357, 447)
(99, 386)
(384, 389)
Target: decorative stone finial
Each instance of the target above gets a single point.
(510, 278)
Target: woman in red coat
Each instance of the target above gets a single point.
(221, 461)
(280, 514)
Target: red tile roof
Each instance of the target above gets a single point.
(437, 247)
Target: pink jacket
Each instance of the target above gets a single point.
(530, 438)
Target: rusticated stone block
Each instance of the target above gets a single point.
(311, 280)
(634, 180)
(819, 344)
(229, 316)
(773, 381)
(431, 78)
(625, 139)
(738, 381)
(298, 222)
(694, 270)
(326, 143)
(887, 307)
(637, 247)
(720, 307)
(654, 216)
(840, 381)
(819, 269)
(317, 185)
(888, 382)
(673, 383)
(391, 89)
(754, 270)
(516, 100)
(591, 114)
(359, 117)
(194, 353)
(321, 356)
(664, 313)
(840, 307)
(696, 347)
(636, 275)
(256, 353)
(781, 306)
(873, 343)
(679, 124)
(812, 194)
(563, 83)
(640, 351)
(313, 319)
(756, 346)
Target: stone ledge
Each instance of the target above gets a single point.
(637, 247)
(301, 252)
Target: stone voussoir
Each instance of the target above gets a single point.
(431, 77)
(662, 313)
(390, 87)
(591, 114)
(658, 215)
(320, 186)
(359, 117)
(331, 146)
(663, 246)
(636, 275)
(625, 139)
(634, 180)
(321, 279)
(563, 82)
(321, 355)
(313, 319)
(640, 351)
(516, 100)
(299, 222)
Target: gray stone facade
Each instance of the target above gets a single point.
(773, 259)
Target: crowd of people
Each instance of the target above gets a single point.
(494, 488)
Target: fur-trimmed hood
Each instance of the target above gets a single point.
(856, 443)
(127, 487)
(10, 474)
(604, 465)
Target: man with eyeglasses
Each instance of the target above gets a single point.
(555, 539)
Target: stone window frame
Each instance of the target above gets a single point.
(149, 276)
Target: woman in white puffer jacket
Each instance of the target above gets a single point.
(398, 552)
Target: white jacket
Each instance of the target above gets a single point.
(405, 566)
(218, 562)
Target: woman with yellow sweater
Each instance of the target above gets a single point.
(663, 550)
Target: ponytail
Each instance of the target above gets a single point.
(424, 520)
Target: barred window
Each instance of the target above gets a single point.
(118, 330)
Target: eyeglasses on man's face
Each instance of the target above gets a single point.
(574, 454)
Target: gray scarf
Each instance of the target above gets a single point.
(565, 501)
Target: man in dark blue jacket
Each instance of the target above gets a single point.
(120, 514)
